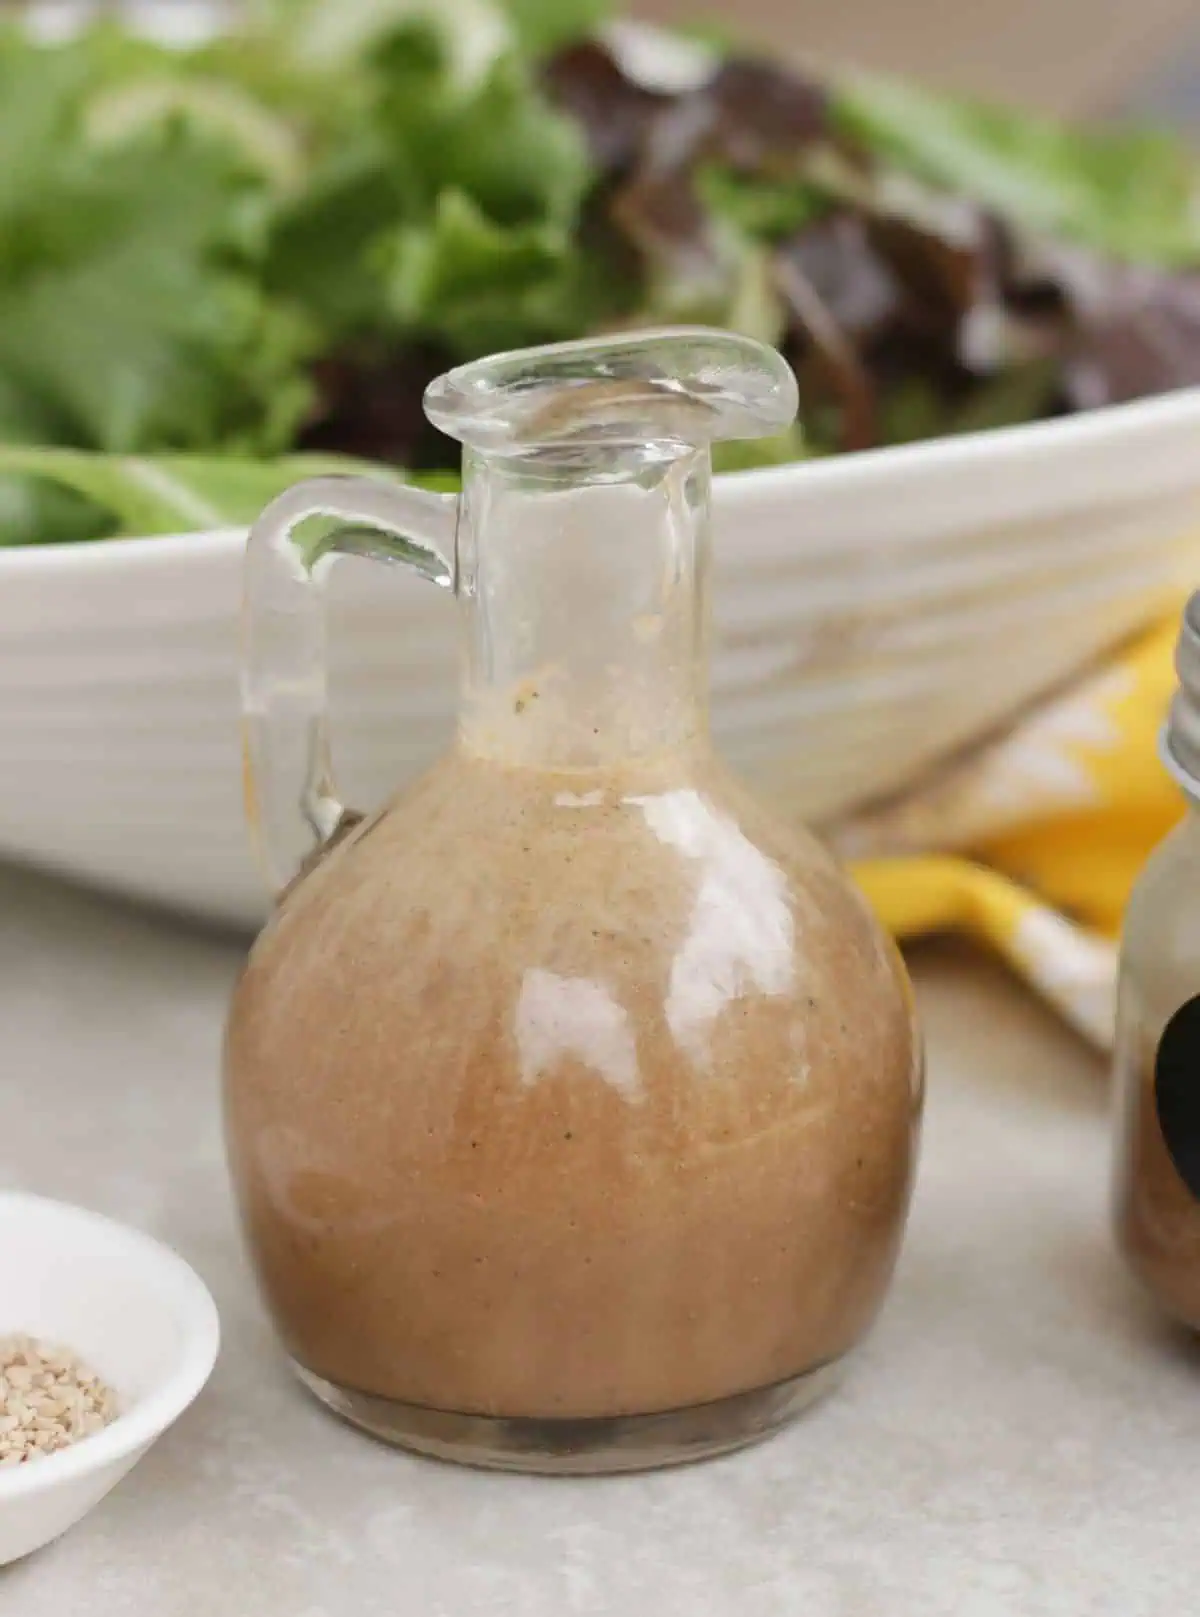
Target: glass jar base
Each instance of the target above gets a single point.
(590, 1447)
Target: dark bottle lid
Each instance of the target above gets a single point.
(1177, 1091)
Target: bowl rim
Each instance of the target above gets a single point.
(1027, 445)
(180, 1291)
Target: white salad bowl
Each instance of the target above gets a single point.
(131, 1309)
(873, 614)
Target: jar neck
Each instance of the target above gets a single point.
(584, 593)
(1179, 742)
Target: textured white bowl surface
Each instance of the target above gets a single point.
(132, 1309)
(873, 614)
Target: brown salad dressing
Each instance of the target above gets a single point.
(572, 1099)
(567, 1095)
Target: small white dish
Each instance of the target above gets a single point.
(134, 1311)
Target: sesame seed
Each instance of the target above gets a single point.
(49, 1399)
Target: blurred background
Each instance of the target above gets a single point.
(1061, 55)
(1067, 56)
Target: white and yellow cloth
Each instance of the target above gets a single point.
(1032, 842)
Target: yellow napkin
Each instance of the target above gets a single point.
(1032, 841)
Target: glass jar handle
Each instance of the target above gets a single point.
(291, 799)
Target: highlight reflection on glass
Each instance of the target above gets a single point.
(740, 933)
(560, 1017)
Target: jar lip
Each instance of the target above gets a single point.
(1179, 741)
(689, 385)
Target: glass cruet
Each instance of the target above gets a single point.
(572, 1097)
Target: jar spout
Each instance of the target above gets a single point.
(686, 387)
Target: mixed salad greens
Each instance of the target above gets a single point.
(223, 266)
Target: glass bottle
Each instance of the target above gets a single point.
(571, 1099)
(1157, 1177)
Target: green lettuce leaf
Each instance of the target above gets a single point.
(380, 192)
(1130, 192)
(499, 140)
(160, 494)
(263, 142)
(32, 510)
(542, 26)
(324, 252)
(477, 286)
(130, 308)
(748, 454)
(768, 209)
(330, 39)
(338, 34)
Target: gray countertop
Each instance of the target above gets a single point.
(1020, 1436)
